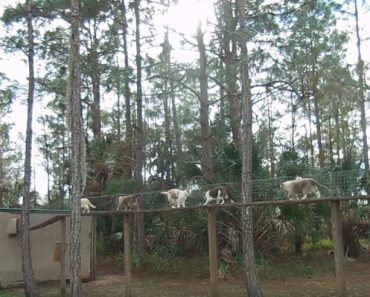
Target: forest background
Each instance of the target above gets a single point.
(157, 116)
(287, 126)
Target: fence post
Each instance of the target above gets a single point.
(336, 223)
(212, 245)
(62, 277)
(93, 249)
(127, 251)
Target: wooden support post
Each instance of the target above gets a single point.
(127, 257)
(63, 285)
(336, 223)
(93, 249)
(212, 245)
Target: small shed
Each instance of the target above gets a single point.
(45, 243)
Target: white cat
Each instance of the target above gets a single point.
(86, 205)
(177, 197)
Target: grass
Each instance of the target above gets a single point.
(6, 293)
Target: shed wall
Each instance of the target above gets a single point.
(42, 247)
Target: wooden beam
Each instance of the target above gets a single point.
(236, 204)
(47, 223)
(337, 230)
(63, 285)
(127, 252)
(212, 246)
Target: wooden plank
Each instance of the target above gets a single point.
(47, 223)
(336, 222)
(63, 284)
(57, 251)
(127, 256)
(212, 245)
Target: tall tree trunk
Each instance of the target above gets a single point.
(312, 153)
(166, 54)
(330, 142)
(176, 128)
(252, 282)
(29, 281)
(345, 131)
(360, 73)
(127, 92)
(139, 99)
(293, 126)
(271, 140)
(206, 161)
(47, 158)
(316, 99)
(139, 217)
(119, 110)
(175, 122)
(337, 130)
(96, 110)
(229, 48)
(78, 170)
(95, 80)
(223, 136)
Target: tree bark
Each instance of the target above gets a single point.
(78, 171)
(228, 44)
(166, 54)
(139, 217)
(360, 73)
(139, 99)
(29, 281)
(176, 126)
(337, 130)
(252, 282)
(206, 159)
(177, 131)
(127, 92)
(96, 110)
(271, 144)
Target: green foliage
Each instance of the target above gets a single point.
(228, 164)
(121, 186)
(196, 267)
(14, 14)
(190, 170)
(102, 247)
(10, 294)
(322, 244)
(160, 264)
(292, 164)
(223, 270)
(263, 263)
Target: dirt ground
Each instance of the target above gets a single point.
(318, 283)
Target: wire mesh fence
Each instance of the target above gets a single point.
(331, 184)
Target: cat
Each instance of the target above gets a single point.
(301, 187)
(218, 194)
(86, 205)
(176, 197)
(128, 202)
